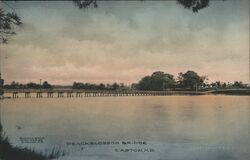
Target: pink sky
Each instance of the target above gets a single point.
(124, 41)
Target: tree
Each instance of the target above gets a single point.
(158, 81)
(144, 83)
(115, 86)
(8, 21)
(32, 85)
(134, 86)
(218, 84)
(85, 3)
(190, 79)
(224, 85)
(101, 86)
(14, 85)
(46, 85)
(238, 84)
(161, 80)
(194, 5)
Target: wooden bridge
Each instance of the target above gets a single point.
(69, 93)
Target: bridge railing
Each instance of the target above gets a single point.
(91, 91)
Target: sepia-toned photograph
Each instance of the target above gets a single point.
(124, 80)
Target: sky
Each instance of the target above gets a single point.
(126, 40)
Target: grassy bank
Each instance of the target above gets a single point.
(10, 152)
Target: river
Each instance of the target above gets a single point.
(205, 127)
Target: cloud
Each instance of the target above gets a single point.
(123, 41)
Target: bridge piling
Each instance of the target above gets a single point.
(27, 95)
(50, 94)
(39, 95)
(15, 95)
(60, 94)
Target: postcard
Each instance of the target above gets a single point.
(124, 80)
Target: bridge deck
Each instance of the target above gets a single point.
(29, 93)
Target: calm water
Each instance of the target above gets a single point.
(174, 127)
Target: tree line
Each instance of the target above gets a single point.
(160, 81)
(157, 81)
(190, 80)
(101, 86)
(30, 85)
